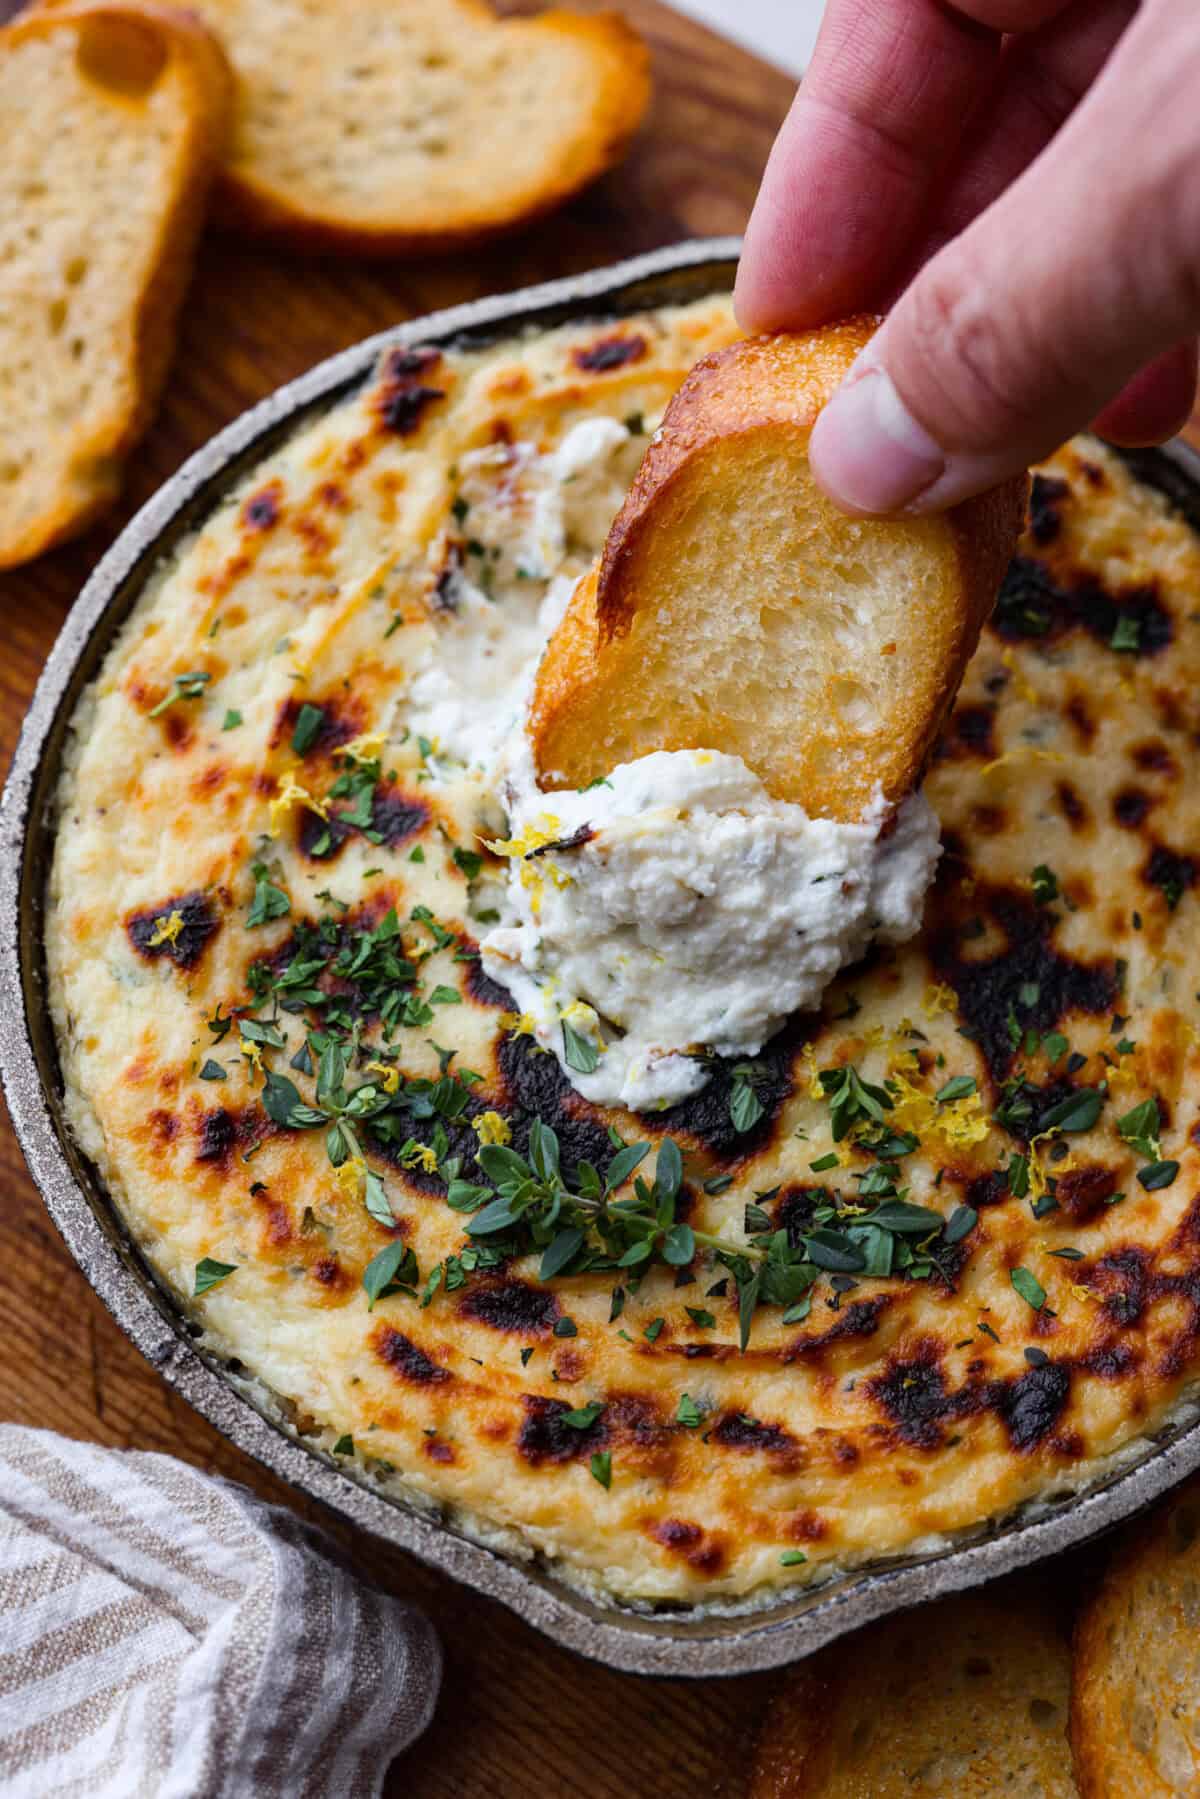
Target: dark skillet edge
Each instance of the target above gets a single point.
(679, 1643)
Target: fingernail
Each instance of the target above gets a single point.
(867, 450)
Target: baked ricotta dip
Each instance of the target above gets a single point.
(700, 1197)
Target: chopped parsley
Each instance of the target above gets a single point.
(584, 1416)
(1029, 1287)
(1044, 882)
(183, 687)
(688, 1413)
(309, 721)
(579, 1051)
(269, 901)
(393, 1270)
(745, 1107)
(1127, 633)
(209, 1272)
(601, 1467)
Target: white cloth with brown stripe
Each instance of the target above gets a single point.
(165, 1634)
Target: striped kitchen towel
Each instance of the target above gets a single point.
(167, 1635)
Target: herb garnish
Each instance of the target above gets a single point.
(183, 687)
(1029, 1287)
(209, 1272)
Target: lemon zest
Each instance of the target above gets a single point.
(959, 1123)
(536, 836)
(490, 1127)
(1025, 752)
(809, 1063)
(519, 1024)
(937, 999)
(352, 1177)
(388, 1075)
(420, 1155)
(166, 930)
(366, 747)
(290, 794)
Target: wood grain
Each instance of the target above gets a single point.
(516, 1713)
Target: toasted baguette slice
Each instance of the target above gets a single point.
(963, 1699)
(113, 119)
(400, 126)
(735, 608)
(1135, 1696)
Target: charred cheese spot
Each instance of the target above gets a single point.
(1153, 757)
(1081, 719)
(1032, 1405)
(545, 1438)
(1173, 873)
(177, 730)
(1033, 603)
(396, 818)
(1166, 478)
(1074, 808)
(407, 1360)
(165, 1125)
(261, 511)
(509, 1305)
(341, 721)
(403, 394)
(707, 1116)
(536, 1087)
(481, 988)
(179, 928)
(738, 1430)
(700, 1550)
(970, 732)
(856, 1321)
(1131, 806)
(989, 986)
(1045, 507)
(1083, 1192)
(613, 352)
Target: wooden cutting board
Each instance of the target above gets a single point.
(516, 1713)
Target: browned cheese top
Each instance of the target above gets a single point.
(1052, 998)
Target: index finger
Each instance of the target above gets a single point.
(881, 110)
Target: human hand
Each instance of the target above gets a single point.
(1022, 179)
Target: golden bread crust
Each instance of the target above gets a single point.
(968, 1696)
(176, 130)
(744, 415)
(1137, 1667)
(429, 149)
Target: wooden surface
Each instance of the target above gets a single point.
(516, 1714)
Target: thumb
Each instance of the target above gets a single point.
(1030, 323)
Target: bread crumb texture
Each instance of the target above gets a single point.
(418, 124)
(112, 119)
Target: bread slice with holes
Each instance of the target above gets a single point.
(399, 126)
(735, 608)
(113, 120)
(966, 1698)
(1135, 1695)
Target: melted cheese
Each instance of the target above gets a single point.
(897, 1412)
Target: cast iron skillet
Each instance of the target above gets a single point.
(665, 1641)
